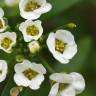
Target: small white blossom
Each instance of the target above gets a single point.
(31, 30)
(29, 74)
(62, 45)
(34, 47)
(67, 84)
(33, 9)
(3, 70)
(11, 3)
(3, 24)
(7, 41)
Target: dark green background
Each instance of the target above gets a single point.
(83, 14)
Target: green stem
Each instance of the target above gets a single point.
(46, 64)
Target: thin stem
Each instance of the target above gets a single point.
(46, 64)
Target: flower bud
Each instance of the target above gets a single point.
(34, 47)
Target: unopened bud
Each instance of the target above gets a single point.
(34, 47)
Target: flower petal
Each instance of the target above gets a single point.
(38, 68)
(70, 51)
(65, 36)
(36, 82)
(54, 90)
(21, 80)
(78, 82)
(1, 13)
(30, 15)
(60, 58)
(61, 78)
(47, 7)
(69, 91)
(27, 64)
(2, 78)
(51, 42)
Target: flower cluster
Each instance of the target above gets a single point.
(61, 44)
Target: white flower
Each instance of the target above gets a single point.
(67, 84)
(29, 74)
(31, 30)
(3, 70)
(62, 45)
(34, 47)
(33, 9)
(3, 22)
(7, 41)
(11, 3)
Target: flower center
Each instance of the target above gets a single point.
(59, 46)
(5, 43)
(31, 6)
(61, 86)
(32, 30)
(29, 73)
(1, 25)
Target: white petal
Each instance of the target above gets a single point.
(61, 78)
(30, 15)
(1, 13)
(3, 68)
(38, 68)
(51, 43)
(2, 78)
(47, 7)
(54, 90)
(27, 64)
(69, 91)
(36, 82)
(60, 58)
(70, 51)
(78, 82)
(20, 67)
(65, 36)
(21, 80)
(22, 26)
(4, 25)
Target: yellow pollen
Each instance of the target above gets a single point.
(31, 6)
(29, 73)
(5, 43)
(61, 86)
(59, 46)
(32, 30)
(1, 25)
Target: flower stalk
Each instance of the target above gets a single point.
(46, 64)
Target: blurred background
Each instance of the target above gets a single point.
(80, 12)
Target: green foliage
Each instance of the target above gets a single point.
(63, 12)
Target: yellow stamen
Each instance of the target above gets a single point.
(29, 73)
(32, 30)
(62, 86)
(59, 46)
(31, 6)
(5, 43)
